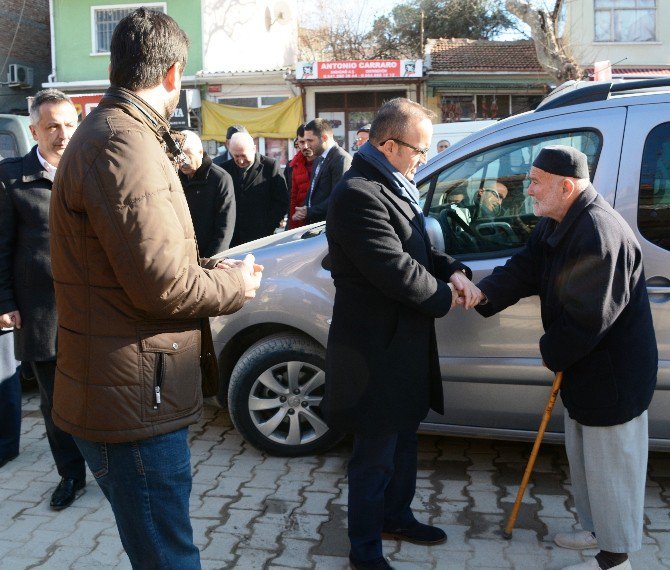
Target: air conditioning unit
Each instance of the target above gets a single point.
(20, 76)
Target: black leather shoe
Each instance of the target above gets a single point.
(419, 533)
(378, 564)
(7, 459)
(66, 493)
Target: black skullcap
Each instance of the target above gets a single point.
(563, 161)
(364, 129)
(235, 129)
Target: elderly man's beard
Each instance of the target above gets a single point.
(171, 105)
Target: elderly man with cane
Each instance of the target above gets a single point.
(586, 265)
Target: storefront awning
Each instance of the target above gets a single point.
(277, 121)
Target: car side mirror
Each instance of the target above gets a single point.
(435, 233)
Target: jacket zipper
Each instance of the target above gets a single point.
(158, 378)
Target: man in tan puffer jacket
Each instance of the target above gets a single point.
(133, 298)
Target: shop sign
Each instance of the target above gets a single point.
(180, 118)
(85, 103)
(359, 69)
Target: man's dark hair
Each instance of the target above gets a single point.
(44, 97)
(232, 129)
(319, 127)
(145, 44)
(300, 131)
(393, 118)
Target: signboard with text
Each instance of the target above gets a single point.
(359, 69)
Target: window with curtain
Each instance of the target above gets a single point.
(625, 20)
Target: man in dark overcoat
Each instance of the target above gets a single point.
(27, 299)
(382, 370)
(210, 195)
(261, 195)
(330, 164)
(585, 263)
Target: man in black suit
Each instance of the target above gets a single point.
(27, 300)
(261, 196)
(330, 164)
(382, 368)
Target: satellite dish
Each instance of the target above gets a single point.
(280, 14)
(283, 13)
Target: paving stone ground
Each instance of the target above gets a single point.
(253, 511)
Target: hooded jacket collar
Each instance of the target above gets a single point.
(137, 108)
(586, 198)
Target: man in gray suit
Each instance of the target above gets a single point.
(330, 164)
(27, 299)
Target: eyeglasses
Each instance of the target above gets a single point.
(421, 151)
(495, 193)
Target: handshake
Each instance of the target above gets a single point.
(465, 292)
(251, 273)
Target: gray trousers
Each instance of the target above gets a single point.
(608, 468)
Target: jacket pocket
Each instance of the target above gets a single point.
(591, 382)
(170, 370)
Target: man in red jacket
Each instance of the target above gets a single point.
(301, 177)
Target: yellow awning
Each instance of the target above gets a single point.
(277, 121)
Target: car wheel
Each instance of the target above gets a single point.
(275, 393)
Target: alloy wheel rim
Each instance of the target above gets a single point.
(284, 403)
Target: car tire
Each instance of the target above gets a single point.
(275, 393)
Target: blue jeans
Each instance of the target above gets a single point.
(10, 398)
(382, 482)
(148, 484)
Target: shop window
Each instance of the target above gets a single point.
(625, 20)
(493, 106)
(347, 112)
(653, 211)
(459, 108)
(239, 101)
(329, 101)
(105, 19)
(268, 101)
(384, 96)
(361, 99)
(252, 102)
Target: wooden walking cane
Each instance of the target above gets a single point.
(507, 533)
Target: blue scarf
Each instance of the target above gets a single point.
(403, 187)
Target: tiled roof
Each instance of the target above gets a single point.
(460, 55)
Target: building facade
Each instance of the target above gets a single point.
(633, 35)
(25, 38)
(470, 80)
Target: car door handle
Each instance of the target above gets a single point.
(658, 289)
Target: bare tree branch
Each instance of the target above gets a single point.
(552, 55)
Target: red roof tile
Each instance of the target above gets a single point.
(457, 54)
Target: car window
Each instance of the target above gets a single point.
(8, 146)
(482, 202)
(653, 212)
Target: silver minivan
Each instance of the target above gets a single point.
(272, 351)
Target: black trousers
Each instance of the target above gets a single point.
(66, 454)
(382, 482)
